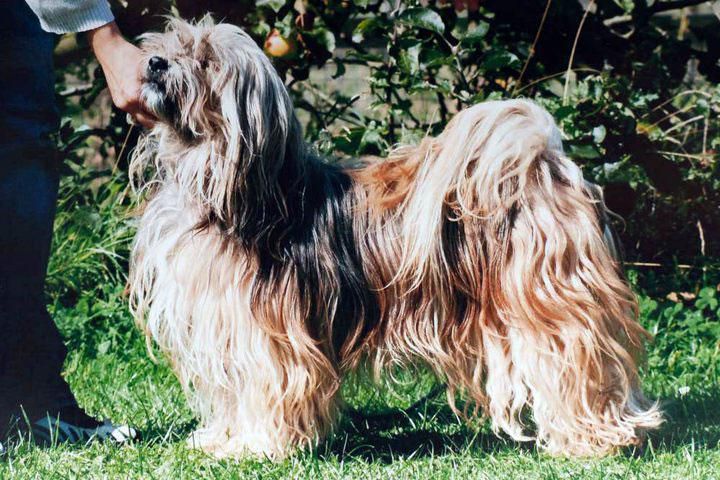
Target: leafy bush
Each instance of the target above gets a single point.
(633, 84)
(686, 345)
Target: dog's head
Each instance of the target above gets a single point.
(201, 76)
(216, 94)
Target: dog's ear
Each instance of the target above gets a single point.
(260, 124)
(269, 130)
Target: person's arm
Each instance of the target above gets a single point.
(123, 64)
(121, 61)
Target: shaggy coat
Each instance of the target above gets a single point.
(266, 274)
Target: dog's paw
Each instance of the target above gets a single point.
(226, 444)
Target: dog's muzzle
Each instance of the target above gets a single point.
(157, 66)
(154, 90)
(156, 69)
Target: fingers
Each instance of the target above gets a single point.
(137, 115)
(144, 119)
(123, 63)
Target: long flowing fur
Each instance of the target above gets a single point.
(266, 274)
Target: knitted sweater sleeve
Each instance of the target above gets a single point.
(63, 16)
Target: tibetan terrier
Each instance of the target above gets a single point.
(266, 274)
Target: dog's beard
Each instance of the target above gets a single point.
(166, 105)
(154, 99)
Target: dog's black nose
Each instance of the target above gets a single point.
(157, 64)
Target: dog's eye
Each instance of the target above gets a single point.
(204, 64)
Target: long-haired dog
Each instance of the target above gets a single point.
(265, 274)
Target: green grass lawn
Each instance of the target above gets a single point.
(394, 430)
(389, 434)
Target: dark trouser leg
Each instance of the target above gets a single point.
(31, 349)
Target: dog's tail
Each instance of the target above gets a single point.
(558, 331)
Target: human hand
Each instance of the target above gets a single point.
(123, 65)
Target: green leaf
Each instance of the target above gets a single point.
(324, 37)
(327, 38)
(261, 29)
(498, 59)
(584, 151)
(409, 60)
(648, 305)
(365, 28)
(371, 137)
(423, 18)
(340, 70)
(599, 133)
(563, 112)
(275, 5)
(474, 36)
(707, 292)
(706, 298)
(494, 96)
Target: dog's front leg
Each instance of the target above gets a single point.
(271, 401)
(253, 376)
(259, 385)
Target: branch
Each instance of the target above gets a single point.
(531, 52)
(658, 7)
(674, 5)
(589, 7)
(77, 90)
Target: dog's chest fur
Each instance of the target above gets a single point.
(315, 275)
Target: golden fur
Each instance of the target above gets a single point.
(266, 274)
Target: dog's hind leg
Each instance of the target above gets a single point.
(571, 343)
(560, 338)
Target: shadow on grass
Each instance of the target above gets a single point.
(430, 428)
(427, 428)
(693, 419)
